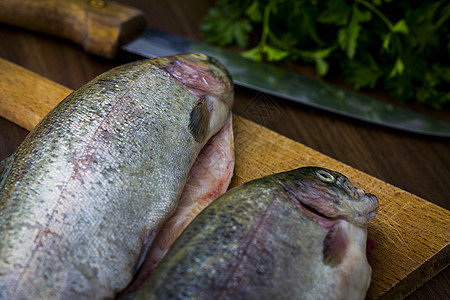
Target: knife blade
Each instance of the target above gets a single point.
(292, 86)
(101, 28)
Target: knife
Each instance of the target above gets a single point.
(102, 28)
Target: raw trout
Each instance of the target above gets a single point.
(209, 178)
(294, 235)
(83, 196)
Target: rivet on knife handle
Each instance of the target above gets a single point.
(100, 27)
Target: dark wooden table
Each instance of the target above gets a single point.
(417, 164)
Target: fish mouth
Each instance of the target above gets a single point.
(366, 203)
(326, 222)
(372, 210)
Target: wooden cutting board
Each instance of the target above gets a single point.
(412, 234)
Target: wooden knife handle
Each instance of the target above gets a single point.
(26, 97)
(100, 27)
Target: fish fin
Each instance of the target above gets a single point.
(199, 120)
(5, 168)
(335, 245)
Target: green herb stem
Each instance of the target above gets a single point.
(442, 19)
(378, 13)
(277, 41)
(265, 31)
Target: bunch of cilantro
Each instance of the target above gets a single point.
(399, 46)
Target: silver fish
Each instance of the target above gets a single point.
(208, 178)
(83, 196)
(294, 235)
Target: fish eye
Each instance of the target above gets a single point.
(325, 176)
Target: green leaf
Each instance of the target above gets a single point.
(363, 73)
(432, 97)
(387, 41)
(274, 54)
(398, 68)
(434, 86)
(254, 13)
(401, 87)
(401, 27)
(318, 57)
(253, 54)
(299, 18)
(360, 15)
(323, 53)
(337, 12)
(321, 65)
(444, 72)
(240, 32)
(225, 27)
(348, 36)
(422, 24)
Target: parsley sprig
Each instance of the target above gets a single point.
(399, 46)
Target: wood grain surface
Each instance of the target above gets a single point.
(25, 97)
(416, 164)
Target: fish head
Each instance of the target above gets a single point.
(209, 81)
(329, 195)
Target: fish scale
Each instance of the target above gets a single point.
(88, 188)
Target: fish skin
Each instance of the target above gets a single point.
(208, 178)
(258, 242)
(84, 194)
